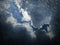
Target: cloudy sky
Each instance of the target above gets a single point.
(17, 17)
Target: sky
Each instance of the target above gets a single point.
(16, 16)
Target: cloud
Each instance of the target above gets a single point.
(50, 35)
(5, 4)
(12, 20)
(37, 19)
(46, 20)
(26, 18)
(25, 14)
(30, 30)
(15, 24)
